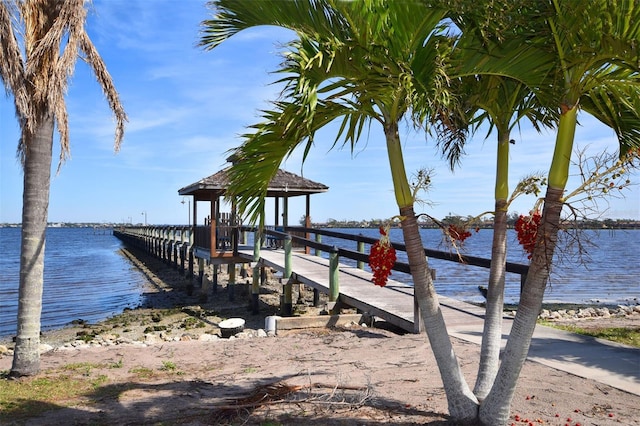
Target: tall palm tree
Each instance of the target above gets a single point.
(361, 63)
(502, 102)
(53, 37)
(595, 68)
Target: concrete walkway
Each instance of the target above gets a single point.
(607, 362)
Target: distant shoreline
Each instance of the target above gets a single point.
(609, 224)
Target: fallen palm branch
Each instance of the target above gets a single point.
(280, 393)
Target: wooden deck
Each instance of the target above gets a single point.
(394, 303)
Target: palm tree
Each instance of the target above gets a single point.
(361, 63)
(594, 55)
(53, 35)
(502, 102)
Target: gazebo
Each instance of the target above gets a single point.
(215, 239)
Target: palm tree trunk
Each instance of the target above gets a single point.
(492, 332)
(35, 204)
(463, 405)
(495, 408)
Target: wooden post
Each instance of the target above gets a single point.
(334, 286)
(418, 325)
(287, 307)
(183, 251)
(287, 257)
(190, 252)
(215, 279)
(167, 248)
(307, 221)
(192, 231)
(175, 248)
(360, 250)
(200, 271)
(257, 237)
(213, 241)
(318, 252)
(255, 290)
(231, 285)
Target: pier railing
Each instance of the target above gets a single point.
(172, 244)
(299, 236)
(362, 258)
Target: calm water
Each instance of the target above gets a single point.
(611, 276)
(85, 277)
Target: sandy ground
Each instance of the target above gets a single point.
(155, 367)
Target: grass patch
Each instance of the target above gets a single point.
(628, 336)
(30, 396)
(142, 372)
(117, 364)
(168, 366)
(190, 322)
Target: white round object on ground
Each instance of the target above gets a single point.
(231, 327)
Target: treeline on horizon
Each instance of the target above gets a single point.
(479, 223)
(471, 222)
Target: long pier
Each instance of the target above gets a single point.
(289, 251)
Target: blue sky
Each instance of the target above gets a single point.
(187, 108)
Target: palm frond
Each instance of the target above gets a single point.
(258, 158)
(618, 107)
(303, 16)
(54, 36)
(106, 83)
(12, 71)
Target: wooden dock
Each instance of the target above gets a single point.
(393, 303)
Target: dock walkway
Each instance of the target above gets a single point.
(393, 303)
(596, 359)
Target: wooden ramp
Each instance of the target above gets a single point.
(394, 303)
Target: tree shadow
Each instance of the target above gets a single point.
(199, 402)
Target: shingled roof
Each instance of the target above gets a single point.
(283, 184)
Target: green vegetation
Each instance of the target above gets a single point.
(117, 364)
(83, 368)
(155, 328)
(143, 372)
(27, 398)
(191, 322)
(168, 366)
(626, 336)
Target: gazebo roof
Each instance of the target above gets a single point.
(283, 184)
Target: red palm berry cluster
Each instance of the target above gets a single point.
(458, 233)
(527, 230)
(382, 258)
